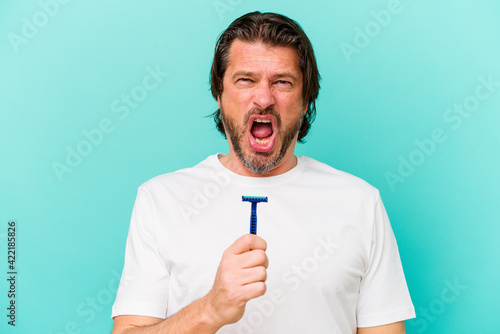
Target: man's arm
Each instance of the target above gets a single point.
(240, 277)
(394, 328)
(191, 319)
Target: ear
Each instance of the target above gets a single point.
(218, 101)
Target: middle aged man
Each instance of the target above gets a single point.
(325, 260)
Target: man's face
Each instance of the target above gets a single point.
(261, 104)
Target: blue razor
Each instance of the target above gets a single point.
(253, 216)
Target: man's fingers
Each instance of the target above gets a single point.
(253, 290)
(240, 277)
(247, 243)
(247, 276)
(253, 258)
(255, 274)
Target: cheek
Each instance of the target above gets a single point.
(292, 107)
(232, 110)
(234, 98)
(236, 106)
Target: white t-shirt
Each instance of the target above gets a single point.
(333, 260)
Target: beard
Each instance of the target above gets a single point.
(260, 162)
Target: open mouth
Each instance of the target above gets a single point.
(262, 133)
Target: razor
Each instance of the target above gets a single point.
(253, 216)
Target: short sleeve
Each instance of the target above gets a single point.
(384, 296)
(143, 288)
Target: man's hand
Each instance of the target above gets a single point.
(240, 277)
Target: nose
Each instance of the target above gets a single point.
(263, 96)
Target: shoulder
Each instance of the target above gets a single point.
(181, 178)
(331, 177)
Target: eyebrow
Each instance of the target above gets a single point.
(254, 74)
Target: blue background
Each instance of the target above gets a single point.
(65, 67)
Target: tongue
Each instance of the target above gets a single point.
(262, 130)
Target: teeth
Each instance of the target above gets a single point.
(262, 141)
(262, 120)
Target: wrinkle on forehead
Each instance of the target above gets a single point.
(257, 57)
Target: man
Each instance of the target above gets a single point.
(325, 259)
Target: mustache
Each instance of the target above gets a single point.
(262, 112)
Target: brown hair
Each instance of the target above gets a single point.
(275, 30)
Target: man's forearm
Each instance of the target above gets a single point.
(193, 319)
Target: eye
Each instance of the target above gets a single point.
(244, 80)
(283, 82)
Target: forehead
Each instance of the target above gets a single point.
(260, 57)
